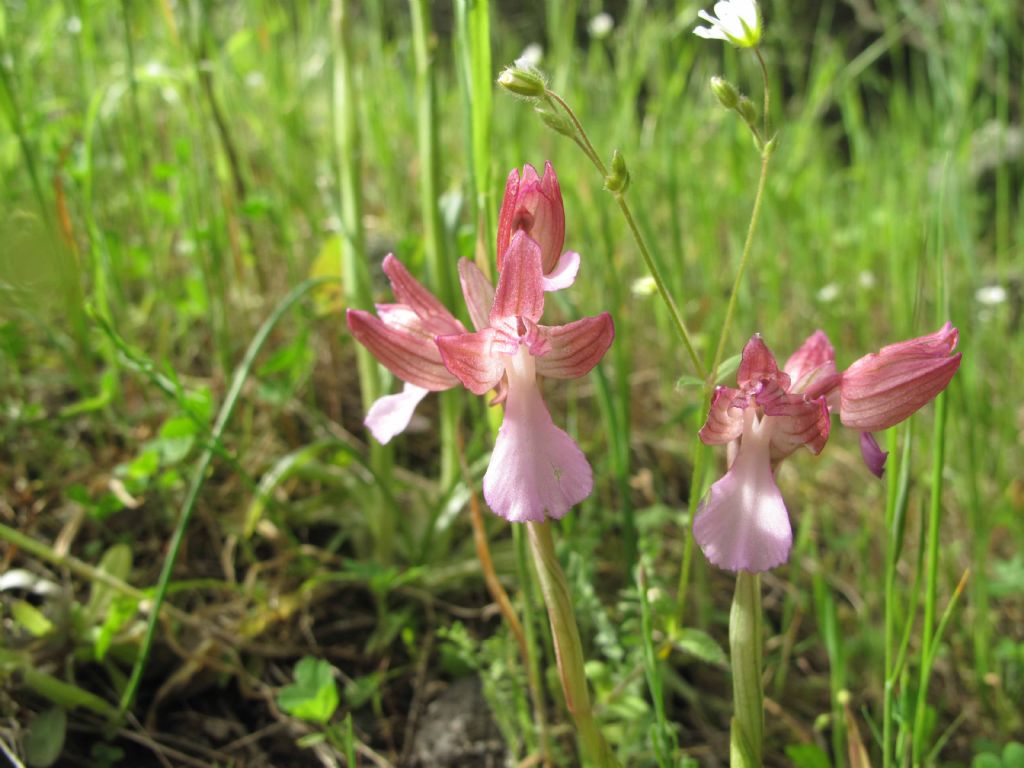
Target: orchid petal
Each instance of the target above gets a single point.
(874, 457)
(536, 469)
(725, 417)
(391, 414)
(575, 348)
(408, 290)
(478, 292)
(474, 357)
(519, 293)
(507, 214)
(564, 273)
(758, 363)
(884, 388)
(812, 368)
(795, 420)
(742, 524)
(410, 357)
(549, 219)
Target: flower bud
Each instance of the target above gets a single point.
(726, 92)
(523, 80)
(618, 180)
(555, 120)
(747, 110)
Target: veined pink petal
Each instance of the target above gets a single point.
(474, 358)
(575, 348)
(410, 357)
(533, 205)
(401, 317)
(795, 420)
(478, 292)
(882, 389)
(390, 414)
(812, 368)
(742, 524)
(758, 363)
(507, 214)
(519, 293)
(725, 417)
(874, 457)
(536, 469)
(408, 290)
(564, 273)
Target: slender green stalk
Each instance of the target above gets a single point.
(440, 267)
(568, 648)
(583, 141)
(199, 477)
(532, 660)
(745, 657)
(664, 738)
(929, 637)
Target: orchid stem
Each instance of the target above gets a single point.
(500, 596)
(584, 143)
(568, 648)
(745, 658)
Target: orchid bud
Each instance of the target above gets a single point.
(884, 388)
(534, 205)
(726, 92)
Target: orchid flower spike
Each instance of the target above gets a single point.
(402, 336)
(536, 470)
(533, 205)
(743, 523)
(738, 22)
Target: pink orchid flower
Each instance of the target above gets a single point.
(402, 337)
(534, 205)
(743, 523)
(536, 469)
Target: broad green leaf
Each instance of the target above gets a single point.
(45, 738)
(700, 644)
(31, 618)
(808, 756)
(116, 561)
(313, 696)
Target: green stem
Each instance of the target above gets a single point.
(928, 633)
(620, 198)
(745, 657)
(199, 477)
(568, 648)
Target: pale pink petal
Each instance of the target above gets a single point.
(478, 292)
(409, 291)
(575, 348)
(564, 273)
(475, 358)
(549, 219)
(874, 457)
(507, 214)
(882, 389)
(758, 363)
(536, 469)
(742, 524)
(390, 414)
(410, 357)
(401, 317)
(519, 293)
(795, 420)
(812, 368)
(725, 417)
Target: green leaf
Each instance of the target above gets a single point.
(116, 561)
(987, 760)
(45, 738)
(700, 644)
(1013, 755)
(176, 437)
(121, 610)
(313, 696)
(31, 618)
(807, 756)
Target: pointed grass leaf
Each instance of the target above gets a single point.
(313, 696)
(45, 738)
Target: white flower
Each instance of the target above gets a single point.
(601, 26)
(990, 295)
(738, 22)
